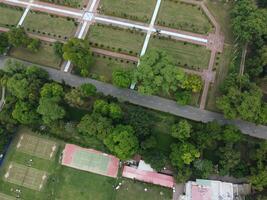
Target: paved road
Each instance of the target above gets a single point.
(156, 103)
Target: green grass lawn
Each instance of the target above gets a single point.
(184, 54)
(70, 3)
(103, 68)
(68, 184)
(221, 73)
(116, 39)
(183, 16)
(131, 190)
(45, 56)
(10, 15)
(46, 25)
(221, 11)
(139, 10)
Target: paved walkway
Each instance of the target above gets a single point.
(83, 27)
(213, 42)
(155, 102)
(243, 59)
(2, 101)
(78, 14)
(24, 14)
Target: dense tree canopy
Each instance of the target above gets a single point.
(78, 52)
(49, 103)
(122, 142)
(95, 125)
(157, 73)
(181, 130)
(248, 22)
(3, 42)
(242, 99)
(122, 78)
(17, 37)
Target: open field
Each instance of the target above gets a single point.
(221, 72)
(44, 24)
(186, 55)
(103, 68)
(67, 183)
(45, 56)
(70, 3)
(9, 15)
(116, 39)
(138, 10)
(221, 11)
(183, 16)
(135, 190)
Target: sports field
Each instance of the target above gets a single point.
(90, 160)
(64, 182)
(25, 176)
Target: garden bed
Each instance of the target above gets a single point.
(50, 25)
(104, 66)
(183, 16)
(138, 10)
(45, 55)
(185, 55)
(116, 39)
(10, 15)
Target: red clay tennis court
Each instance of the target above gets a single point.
(148, 176)
(90, 160)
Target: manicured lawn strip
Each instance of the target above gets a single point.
(116, 39)
(183, 16)
(221, 11)
(10, 15)
(103, 68)
(45, 56)
(70, 3)
(221, 73)
(186, 55)
(139, 10)
(132, 190)
(44, 24)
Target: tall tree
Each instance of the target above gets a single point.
(248, 22)
(78, 52)
(157, 73)
(183, 154)
(181, 130)
(95, 125)
(122, 78)
(3, 42)
(122, 142)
